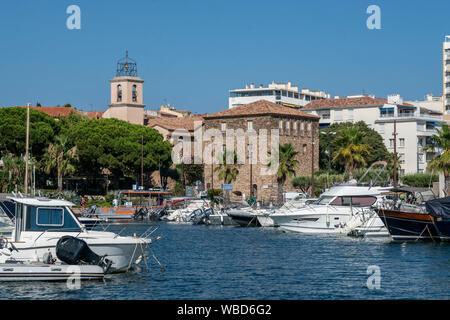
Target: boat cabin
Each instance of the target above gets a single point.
(43, 215)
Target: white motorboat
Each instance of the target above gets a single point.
(330, 212)
(41, 222)
(49, 272)
(264, 216)
(181, 215)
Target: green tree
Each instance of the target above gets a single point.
(287, 165)
(116, 145)
(228, 172)
(60, 156)
(327, 147)
(351, 150)
(441, 163)
(14, 171)
(13, 131)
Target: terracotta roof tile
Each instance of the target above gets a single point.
(95, 114)
(174, 123)
(261, 107)
(56, 111)
(348, 102)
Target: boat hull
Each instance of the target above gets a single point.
(47, 272)
(409, 226)
(311, 222)
(244, 219)
(122, 251)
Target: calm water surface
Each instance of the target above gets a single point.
(254, 263)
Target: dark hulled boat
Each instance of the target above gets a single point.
(429, 222)
(243, 218)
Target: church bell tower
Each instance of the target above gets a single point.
(126, 93)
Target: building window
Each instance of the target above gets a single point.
(119, 93)
(401, 158)
(402, 142)
(294, 128)
(402, 172)
(381, 128)
(308, 128)
(301, 128)
(280, 126)
(350, 114)
(391, 143)
(224, 126)
(288, 129)
(304, 149)
(250, 125)
(134, 93)
(338, 115)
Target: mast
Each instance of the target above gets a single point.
(27, 146)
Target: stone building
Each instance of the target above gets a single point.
(295, 127)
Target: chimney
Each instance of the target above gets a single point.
(252, 86)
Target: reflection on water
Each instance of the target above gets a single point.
(255, 263)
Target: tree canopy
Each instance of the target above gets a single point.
(43, 129)
(116, 145)
(378, 151)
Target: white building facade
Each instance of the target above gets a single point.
(446, 77)
(280, 93)
(415, 125)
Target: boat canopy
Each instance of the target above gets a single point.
(439, 207)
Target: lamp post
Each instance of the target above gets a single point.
(395, 153)
(250, 158)
(142, 161)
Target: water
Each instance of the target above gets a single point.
(254, 263)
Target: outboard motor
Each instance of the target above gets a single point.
(75, 251)
(140, 214)
(202, 217)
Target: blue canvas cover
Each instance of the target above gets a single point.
(439, 207)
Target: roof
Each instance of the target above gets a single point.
(348, 102)
(43, 202)
(95, 114)
(172, 124)
(258, 108)
(56, 111)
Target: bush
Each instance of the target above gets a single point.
(424, 179)
(212, 194)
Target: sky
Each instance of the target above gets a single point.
(191, 53)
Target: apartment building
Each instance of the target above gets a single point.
(284, 94)
(414, 125)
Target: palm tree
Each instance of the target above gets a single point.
(228, 171)
(15, 168)
(441, 163)
(351, 151)
(60, 155)
(287, 165)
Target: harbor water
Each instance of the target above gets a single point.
(208, 262)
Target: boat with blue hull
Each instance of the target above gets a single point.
(427, 222)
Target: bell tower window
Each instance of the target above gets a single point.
(119, 93)
(134, 95)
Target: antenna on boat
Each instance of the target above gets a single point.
(20, 194)
(13, 193)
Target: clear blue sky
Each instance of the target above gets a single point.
(192, 52)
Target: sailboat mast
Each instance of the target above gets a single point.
(27, 145)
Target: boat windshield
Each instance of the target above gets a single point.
(324, 200)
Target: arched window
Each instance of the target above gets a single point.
(119, 93)
(134, 93)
